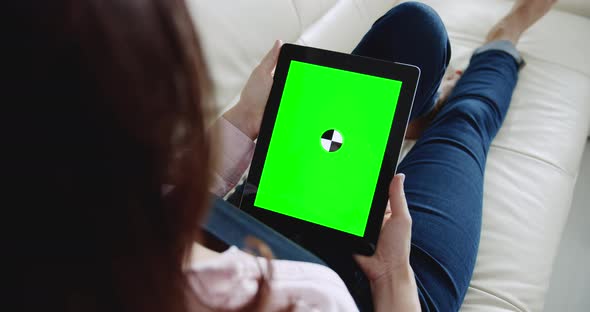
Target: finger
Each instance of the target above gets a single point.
(270, 59)
(361, 260)
(397, 197)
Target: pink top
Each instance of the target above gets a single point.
(230, 279)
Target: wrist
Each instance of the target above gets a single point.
(402, 274)
(244, 119)
(396, 291)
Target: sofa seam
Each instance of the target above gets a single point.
(298, 15)
(531, 156)
(530, 56)
(326, 11)
(499, 297)
(359, 8)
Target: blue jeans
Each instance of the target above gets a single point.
(444, 170)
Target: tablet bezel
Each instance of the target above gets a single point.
(297, 229)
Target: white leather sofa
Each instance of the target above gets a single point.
(534, 160)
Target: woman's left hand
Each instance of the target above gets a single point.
(246, 115)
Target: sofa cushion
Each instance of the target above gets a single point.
(534, 160)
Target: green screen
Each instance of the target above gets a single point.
(302, 179)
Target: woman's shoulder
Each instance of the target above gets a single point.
(231, 279)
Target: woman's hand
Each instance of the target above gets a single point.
(393, 249)
(388, 270)
(246, 115)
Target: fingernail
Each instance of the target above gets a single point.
(459, 71)
(402, 177)
(402, 190)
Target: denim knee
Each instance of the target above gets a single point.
(414, 8)
(423, 21)
(481, 114)
(411, 33)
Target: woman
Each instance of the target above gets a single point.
(109, 102)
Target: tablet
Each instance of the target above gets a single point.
(328, 146)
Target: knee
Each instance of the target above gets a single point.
(414, 9)
(422, 21)
(481, 114)
(414, 13)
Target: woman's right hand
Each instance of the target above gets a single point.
(388, 270)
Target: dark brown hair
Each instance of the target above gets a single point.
(106, 102)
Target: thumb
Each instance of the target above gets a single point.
(397, 197)
(397, 206)
(270, 59)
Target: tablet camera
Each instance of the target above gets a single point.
(331, 140)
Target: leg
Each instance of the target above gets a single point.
(445, 169)
(411, 33)
(444, 184)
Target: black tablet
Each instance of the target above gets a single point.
(328, 146)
